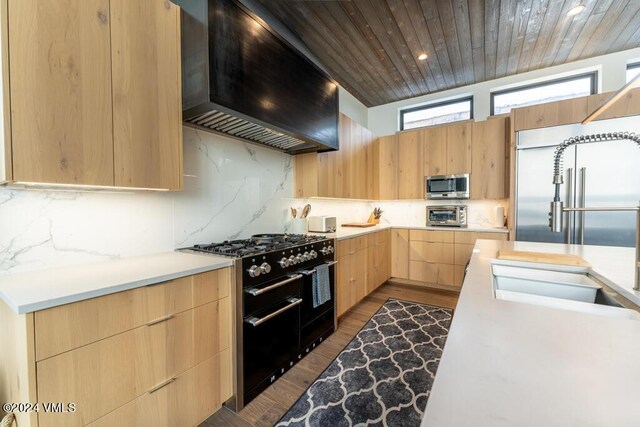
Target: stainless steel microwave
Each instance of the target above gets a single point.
(447, 186)
(452, 216)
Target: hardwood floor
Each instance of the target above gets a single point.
(266, 409)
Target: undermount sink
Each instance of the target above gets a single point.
(574, 291)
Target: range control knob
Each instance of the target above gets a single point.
(306, 256)
(265, 268)
(331, 250)
(313, 255)
(293, 260)
(254, 271)
(324, 251)
(299, 258)
(284, 262)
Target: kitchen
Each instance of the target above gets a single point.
(154, 153)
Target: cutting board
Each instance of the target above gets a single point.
(542, 257)
(359, 224)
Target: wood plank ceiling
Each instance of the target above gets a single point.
(371, 46)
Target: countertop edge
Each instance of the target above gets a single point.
(31, 307)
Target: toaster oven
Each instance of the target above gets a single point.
(451, 216)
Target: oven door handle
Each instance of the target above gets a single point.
(260, 291)
(309, 272)
(255, 321)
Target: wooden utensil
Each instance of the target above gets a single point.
(294, 212)
(305, 211)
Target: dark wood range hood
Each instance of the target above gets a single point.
(241, 79)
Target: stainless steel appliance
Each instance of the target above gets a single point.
(603, 174)
(276, 324)
(447, 186)
(322, 224)
(452, 216)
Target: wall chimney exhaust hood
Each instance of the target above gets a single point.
(241, 79)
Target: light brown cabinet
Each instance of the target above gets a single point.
(363, 265)
(94, 93)
(351, 285)
(346, 173)
(160, 352)
(387, 168)
(489, 159)
(410, 165)
(432, 257)
(447, 149)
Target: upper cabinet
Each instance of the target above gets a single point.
(60, 86)
(147, 96)
(447, 149)
(347, 173)
(394, 167)
(489, 159)
(94, 93)
(410, 165)
(574, 110)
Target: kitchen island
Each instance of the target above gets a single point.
(510, 363)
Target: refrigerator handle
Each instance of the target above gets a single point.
(582, 201)
(570, 215)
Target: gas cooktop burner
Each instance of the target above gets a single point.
(259, 243)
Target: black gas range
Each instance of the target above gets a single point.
(276, 323)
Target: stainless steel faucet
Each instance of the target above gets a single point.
(557, 206)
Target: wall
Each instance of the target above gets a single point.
(350, 106)
(406, 212)
(232, 190)
(383, 119)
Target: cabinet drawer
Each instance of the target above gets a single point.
(187, 401)
(107, 374)
(70, 326)
(423, 271)
(431, 236)
(431, 252)
(470, 238)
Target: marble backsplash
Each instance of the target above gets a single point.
(231, 190)
(480, 213)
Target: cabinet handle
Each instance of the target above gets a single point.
(256, 291)
(160, 320)
(161, 385)
(255, 321)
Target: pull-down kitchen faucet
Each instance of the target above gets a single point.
(557, 206)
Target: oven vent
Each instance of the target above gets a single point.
(229, 125)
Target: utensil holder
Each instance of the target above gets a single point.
(299, 226)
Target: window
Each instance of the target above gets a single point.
(434, 114)
(552, 90)
(632, 71)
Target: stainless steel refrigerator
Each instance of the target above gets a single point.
(595, 174)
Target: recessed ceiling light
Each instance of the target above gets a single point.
(422, 56)
(576, 10)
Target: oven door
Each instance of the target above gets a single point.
(316, 321)
(443, 216)
(271, 332)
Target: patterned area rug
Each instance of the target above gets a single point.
(383, 377)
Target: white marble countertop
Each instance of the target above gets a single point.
(514, 364)
(38, 290)
(350, 232)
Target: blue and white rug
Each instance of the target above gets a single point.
(383, 377)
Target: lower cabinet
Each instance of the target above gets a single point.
(158, 355)
(429, 257)
(363, 265)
